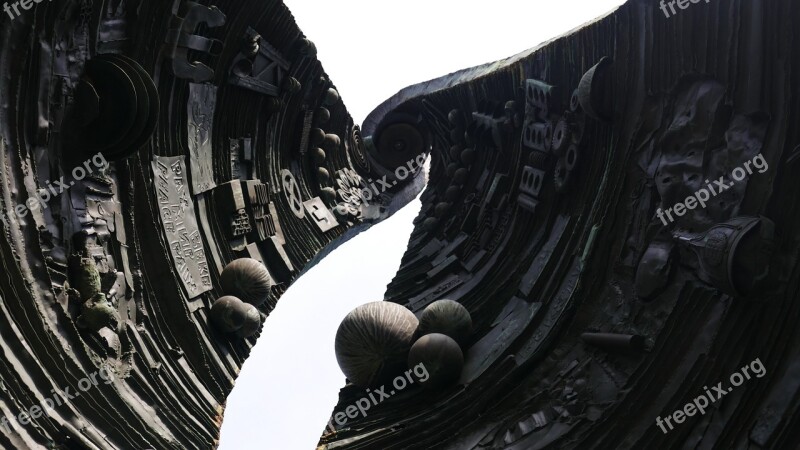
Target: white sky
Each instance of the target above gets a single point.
(371, 49)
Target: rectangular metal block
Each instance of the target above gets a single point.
(532, 181)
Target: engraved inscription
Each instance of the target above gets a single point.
(180, 224)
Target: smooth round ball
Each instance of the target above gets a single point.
(439, 356)
(373, 341)
(318, 155)
(323, 115)
(328, 194)
(332, 143)
(452, 193)
(455, 151)
(331, 97)
(460, 176)
(441, 209)
(228, 314)
(468, 156)
(323, 175)
(248, 280)
(446, 317)
(316, 137)
(451, 169)
(430, 223)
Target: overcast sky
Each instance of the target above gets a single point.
(371, 49)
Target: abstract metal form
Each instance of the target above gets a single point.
(615, 212)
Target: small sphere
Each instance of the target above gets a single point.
(331, 97)
(328, 194)
(316, 137)
(373, 341)
(446, 317)
(308, 48)
(323, 175)
(460, 176)
(455, 117)
(455, 151)
(228, 314)
(323, 115)
(452, 193)
(430, 223)
(248, 280)
(468, 156)
(440, 357)
(441, 209)
(332, 143)
(318, 155)
(450, 171)
(252, 321)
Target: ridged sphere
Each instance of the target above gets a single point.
(248, 280)
(441, 357)
(228, 314)
(446, 317)
(373, 341)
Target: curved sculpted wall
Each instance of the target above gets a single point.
(615, 210)
(145, 146)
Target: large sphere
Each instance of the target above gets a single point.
(440, 357)
(373, 340)
(447, 317)
(248, 280)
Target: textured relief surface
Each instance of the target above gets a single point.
(593, 316)
(145, 145)
(616, 210)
